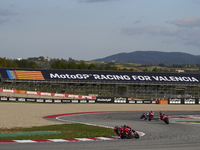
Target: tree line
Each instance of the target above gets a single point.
(73, 64)
(6, 63)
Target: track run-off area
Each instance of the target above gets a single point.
(158, 135)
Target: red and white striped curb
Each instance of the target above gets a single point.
(61, 140)
(67, 140)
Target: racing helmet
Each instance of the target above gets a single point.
(116, 128)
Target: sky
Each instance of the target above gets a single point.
(93, 29)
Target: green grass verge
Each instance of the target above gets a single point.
(67, 131)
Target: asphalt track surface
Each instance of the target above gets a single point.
(158, 135)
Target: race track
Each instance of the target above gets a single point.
(158, 135)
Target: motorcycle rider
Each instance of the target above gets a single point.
(161, 115)
(149, 113)
(119, 129)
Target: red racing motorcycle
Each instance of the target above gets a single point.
(151, 115)
(165, 118)
(125, 132)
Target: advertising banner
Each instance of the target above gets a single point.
(4, 98)
(175, 101)
(120, 99)
(66, 101)
(98, 76)
(104, 100)
(48, 100)
(75, 101)
(189, 101)
(31, 100)
(57, 101)
(131, 101)
(12, 99)
(21, 99)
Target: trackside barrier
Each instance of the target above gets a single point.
(162, 102)
(47, 94)
(190, 101)
(116, 100)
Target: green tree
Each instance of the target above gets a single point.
(101, 67)
(92, 66)
(82, 66)
(58, 64)
(7, 63)
(72, 65)
(155, 69)
(145, 70)
(26, 64)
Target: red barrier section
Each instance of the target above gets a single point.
(48, 94)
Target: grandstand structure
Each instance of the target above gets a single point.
(136, 85)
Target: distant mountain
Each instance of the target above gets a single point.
(153, 57)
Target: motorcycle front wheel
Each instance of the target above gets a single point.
(166, 121)
(136, 135)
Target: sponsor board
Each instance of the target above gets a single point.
(189, 101)
(139, 101)
(174, 101)
(120, 99)
(83, 101)
(40, 100)
(91, 101)
(147, 102)
(131, 102)
(30, 100)
(49, 100)
(104, 100)
(21, 99)
(31, 92)
(57, 101)
(12, 99)
(45, 94)
(4, 98)
(66, 100)
(75, 101)
(8, 91)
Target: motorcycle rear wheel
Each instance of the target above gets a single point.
(142, 116)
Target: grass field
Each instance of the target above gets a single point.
(66, 131)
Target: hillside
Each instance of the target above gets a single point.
(152, 57)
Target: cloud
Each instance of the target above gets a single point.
(6, 13)
(189, 37)
(186, 22)
(3, 21)
(137, 21)
(91, 1)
